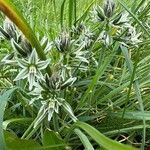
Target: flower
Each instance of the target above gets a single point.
(132, 35)
(51, 106)
(31, 69)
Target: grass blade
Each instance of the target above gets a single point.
(84, 139)
(102, 140)
(3, 101)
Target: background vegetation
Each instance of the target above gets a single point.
(98, 53)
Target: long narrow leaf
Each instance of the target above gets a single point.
(3, 101)
(102, 140)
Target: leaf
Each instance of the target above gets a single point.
(62, 13)
(14, 143)
(14, 120)
(136, 86)
(84, 15)
(84, 139)
(53, 140)
(99, 72)
(70, 13)
(135, 115)
(101, 139)
(3, 101)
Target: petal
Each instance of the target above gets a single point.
(33, 57)
(22, 63)
(22, 75)
(69, 111)
(31, 80)
(50, 114)
(39, 75)
(42, 64)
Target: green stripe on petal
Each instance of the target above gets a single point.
(31, 80)
(22, 63)
(39, 75)
(33, 59)
(22, 75)
(42, 64)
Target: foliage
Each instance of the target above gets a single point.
(73, 73)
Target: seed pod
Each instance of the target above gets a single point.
(109, 8)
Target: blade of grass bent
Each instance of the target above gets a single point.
(101, 139)
(84, 139)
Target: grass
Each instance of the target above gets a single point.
(98, 76)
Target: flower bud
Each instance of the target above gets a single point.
(4, 33)
(63, 42)
(109, 8)
(18, 48)
(10, 28)
(68, 82)
(53, 82)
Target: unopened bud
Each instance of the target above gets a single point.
(63, 42)
(10, 28)
(18, 48)
(109, 8)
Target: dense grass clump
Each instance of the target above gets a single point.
(74, 74)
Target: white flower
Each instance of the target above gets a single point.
(31, 69)
(105, 38)
(50, 107)
(86, 38)
(133, 35)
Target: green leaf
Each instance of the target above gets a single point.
(62, 13)
(16, 120)
(84, 139)
(135, 115)
(70, 13)
(3, 101)
(85, 13)
(53, 140)
(136, 86)
(101, 139)
(14, 143)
